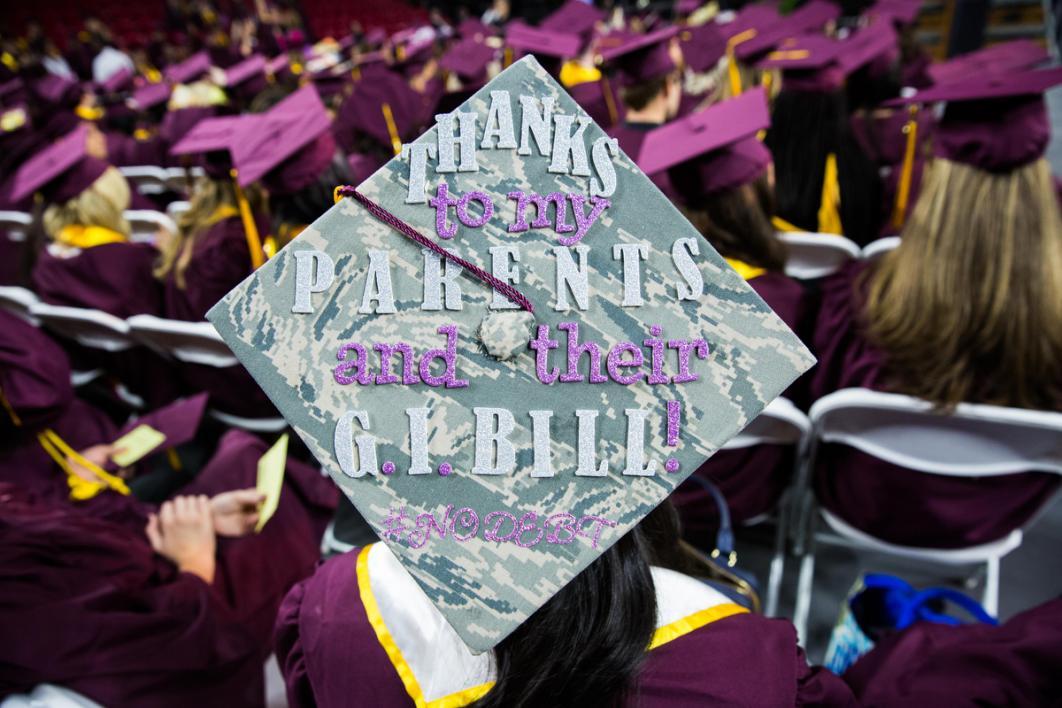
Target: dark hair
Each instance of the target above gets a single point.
(303, 207)
(586, 645)
(736, 221)
(638, 96)
(806, 126)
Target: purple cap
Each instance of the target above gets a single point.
(178, 421)
(573, 17)
(643, 57)
(874, 43)
(548, 43)
(120, 79)
(211, 134)
(468, 59)
(34, 374)
(295, 133)
(363, 109)
(188, 70)
(176, 124)
(11, 88)
(817, 63)
(472, 28)
(413, 53)
(996, 59)
(252, 66)
(810, 17)
(996, 123)
(151, 95)
(901, 12)
(60, 171)
(702, 46)
(56, 90)
(278, 65)
(711, 129)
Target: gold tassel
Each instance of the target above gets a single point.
(829, 217)
(507, 57)
(903, 189)
(732, 67)
(392, 129)
(80, 489)
(15, 420)
(250, 230)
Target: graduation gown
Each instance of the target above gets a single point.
(752, 479)
(95, 610)
(113, 277)
(335, 629)
(894, 503)
(1015, 664)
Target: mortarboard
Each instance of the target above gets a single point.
(117, 81)
(573, 17)
(382, 106)
(34, 375)
(188, 70)
(293, 133)
(643, 57)
(996, 59)
(60, 171)
(996, 123)
(493, 470)
(473, 28)
(468, 59)
(253, 66)
(901, 12)
(176, 123)
(547, 43)
(151, 95)
(817, 63)
(702, 46)
(55, 90)
(759, 38)
(178, 422)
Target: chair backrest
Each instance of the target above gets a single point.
(18, 301)
(148, 179)
(89, 328)
(47, 695)
(190, 342)
(975, 440)
(780, 423)
(876, 249)
(175, 209)
(145, 223)
(817, 255)
(179, 179)
(15, 224)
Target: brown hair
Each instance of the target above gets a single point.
(969, 306)
(737, 222)
(638, 96)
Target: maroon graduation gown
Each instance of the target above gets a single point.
(894, 503)
(752, 479)
(330, 656)
(114, 277)
(1016, 664)
(95, 610)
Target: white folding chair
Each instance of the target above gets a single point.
(147, 179)
(18, 301)
(48, 695)
(175, 209)
(16, 224)
(145, 224)
(92, 329)
(780, 423)
(975, 440)
(180, 180)
(876, 249)
(814, 255)
(197, 343)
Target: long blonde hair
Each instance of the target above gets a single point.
(102, 204)
(212, 200)
(969, 306)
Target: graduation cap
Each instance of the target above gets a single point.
(494, 449)
(295, 134)
(118, 80)
(60, 171)
(161, 430)
(473, 28)
(995, 123)
(643, 57)
(55, 90)
(573, 17)
(468, 59)
(542, 42)
(818, 63)
(901, 12)
(151, 95)
(253, 67)
(382, 106)
(34, 376)
(703, 46)
(188, 70)
(755, 40)
(995, 59)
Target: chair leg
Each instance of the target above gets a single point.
(990, 599)
(806, 581)
(774, 581)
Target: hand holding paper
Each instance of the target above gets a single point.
(135, 445)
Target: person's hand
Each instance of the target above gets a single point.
(235, 513)
(98, 455)
(183, 531)
(95, 143)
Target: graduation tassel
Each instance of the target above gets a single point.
(250, 230)
(610, 102)
(903, 190)
(732, 69)
(392, 129)
(829, 217)
(507, 57)
(80, 489)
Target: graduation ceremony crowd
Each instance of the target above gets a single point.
(149, 583)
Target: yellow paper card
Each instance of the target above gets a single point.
(271, 479)
(136, 444)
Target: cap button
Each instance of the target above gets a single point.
(505, 333)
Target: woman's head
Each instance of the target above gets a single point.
(969, 306)
(101, 204)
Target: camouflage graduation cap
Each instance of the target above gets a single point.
(507, 347)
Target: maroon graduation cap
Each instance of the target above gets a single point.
(60, 171)
(188, 70)
(642, 57)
